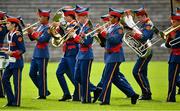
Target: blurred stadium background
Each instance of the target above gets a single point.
(158, 10)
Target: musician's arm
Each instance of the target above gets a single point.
(103, 40)
(44, 36)
(30, 37)
(147, 34)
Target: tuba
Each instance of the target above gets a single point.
(142, 50)
(56, 36)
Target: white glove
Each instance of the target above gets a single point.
(163, 45)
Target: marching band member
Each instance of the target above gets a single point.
(174, 59)
(140, 69)
(124, 84)
(113, 57)
(67, 63)
(84, 56)
(104, 19)
(178, 80)
(3, 32)
(15, 51)
(39, 62)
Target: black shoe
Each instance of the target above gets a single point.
(41, 97)
(84, 102)
(128, 96)
(171, 100)
(145, 97)
(134, 99)
(2, 96)
(97, 93)
(11, 105)
(104, 103)
(65, 97)
(8, 104)
(75, 99)
(48, 93)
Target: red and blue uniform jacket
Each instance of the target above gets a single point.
(70, 47)
(43, 37)
(175, 49)
(85, 48)
(147, 32)
(17, 47)
(113, 46)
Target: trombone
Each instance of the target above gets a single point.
(167, 31)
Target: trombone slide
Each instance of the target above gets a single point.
(174, 41)
(169, 30)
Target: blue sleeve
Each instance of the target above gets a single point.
(147, 34)
(45, 36)
(116, 37)
(20, 43)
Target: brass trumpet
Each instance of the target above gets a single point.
(68, 35)
(25, 29)
(92, 32)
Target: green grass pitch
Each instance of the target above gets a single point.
(157, 74)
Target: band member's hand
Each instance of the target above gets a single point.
(1, 22)
(163, 45)
(55, 24)
(82, 34)
(71, 34)
(70, 30)
(9, 53)
(100, 29)
(137, 36)
(30, 30)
